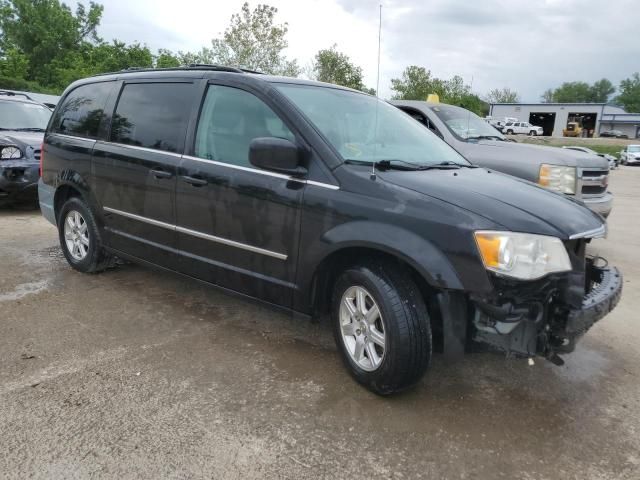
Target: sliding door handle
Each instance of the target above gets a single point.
(195, 181)
(161, 174)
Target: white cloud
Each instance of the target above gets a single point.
(528, 46)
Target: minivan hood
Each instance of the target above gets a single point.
(504, 150)
(515, 204)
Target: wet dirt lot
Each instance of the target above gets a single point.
(139, 374)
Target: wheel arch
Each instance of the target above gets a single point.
(427, 266)
(328, 271)
(69, 184)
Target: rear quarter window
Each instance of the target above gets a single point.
(82, 110)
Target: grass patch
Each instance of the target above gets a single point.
(610, 149)
(610, 146)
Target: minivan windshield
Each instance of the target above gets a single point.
(23, 116)
(466, 125)
(365, 129)
(634, 148)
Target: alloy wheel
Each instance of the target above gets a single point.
(76, 235)
(362, 328)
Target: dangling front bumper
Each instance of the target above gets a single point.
(545, 317)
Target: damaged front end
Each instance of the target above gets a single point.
(546, 317)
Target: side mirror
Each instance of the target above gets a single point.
(276, 154)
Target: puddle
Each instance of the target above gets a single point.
(23, 290)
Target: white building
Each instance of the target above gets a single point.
(553, 117)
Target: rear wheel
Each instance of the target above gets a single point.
(381, 326)
(80, 238)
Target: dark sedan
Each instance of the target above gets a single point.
(613, 134)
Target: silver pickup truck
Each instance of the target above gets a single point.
(575, 174)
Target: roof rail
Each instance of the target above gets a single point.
(222, 68)
(211, 66)
(191, 66)
(9, 93)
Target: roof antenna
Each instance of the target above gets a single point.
(375, 131)
(469, 111)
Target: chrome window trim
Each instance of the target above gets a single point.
(245, 169)
(72, 137)
(323, 185)
(263, 172)
(195, 233)
(599, 232)
(142, 149)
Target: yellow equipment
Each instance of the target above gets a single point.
(573, 130)
(433, 98)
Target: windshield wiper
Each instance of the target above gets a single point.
(27, 129)
(449, 165)
(485, 137)
(395, 164)
(392, 164)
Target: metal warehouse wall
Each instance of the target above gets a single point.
(522, 111)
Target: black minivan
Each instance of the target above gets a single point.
(321, 200)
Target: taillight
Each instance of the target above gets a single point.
(41, 157)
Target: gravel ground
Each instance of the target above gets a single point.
(139, 374)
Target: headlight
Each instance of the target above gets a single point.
(10, 153)
(558, 178)
(522, 255)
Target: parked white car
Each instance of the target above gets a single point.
(630, 155)
(525, 128)
(613, 162)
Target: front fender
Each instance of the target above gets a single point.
(418, 252)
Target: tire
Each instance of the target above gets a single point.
(533, 133)
(93, 258)
(509, 132)
(403, 319)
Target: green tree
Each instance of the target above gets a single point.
(601, 91)
(547, 96)
(503, 95)
(572, 92)
(332, 66)
(580, 92)
(417, 83)
(629, 97)
(117, 55)
(14, 64)
(45, 31)
(253, 41)
(166, 59)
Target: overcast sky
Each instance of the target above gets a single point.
(528, 46)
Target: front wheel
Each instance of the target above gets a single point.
(509, 132)
(80, 238)
(532, 133)
(381, 326)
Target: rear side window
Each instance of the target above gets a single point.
(82, 110)
(152, 115)
(230, 119)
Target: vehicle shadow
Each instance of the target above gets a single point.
(19, 208)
